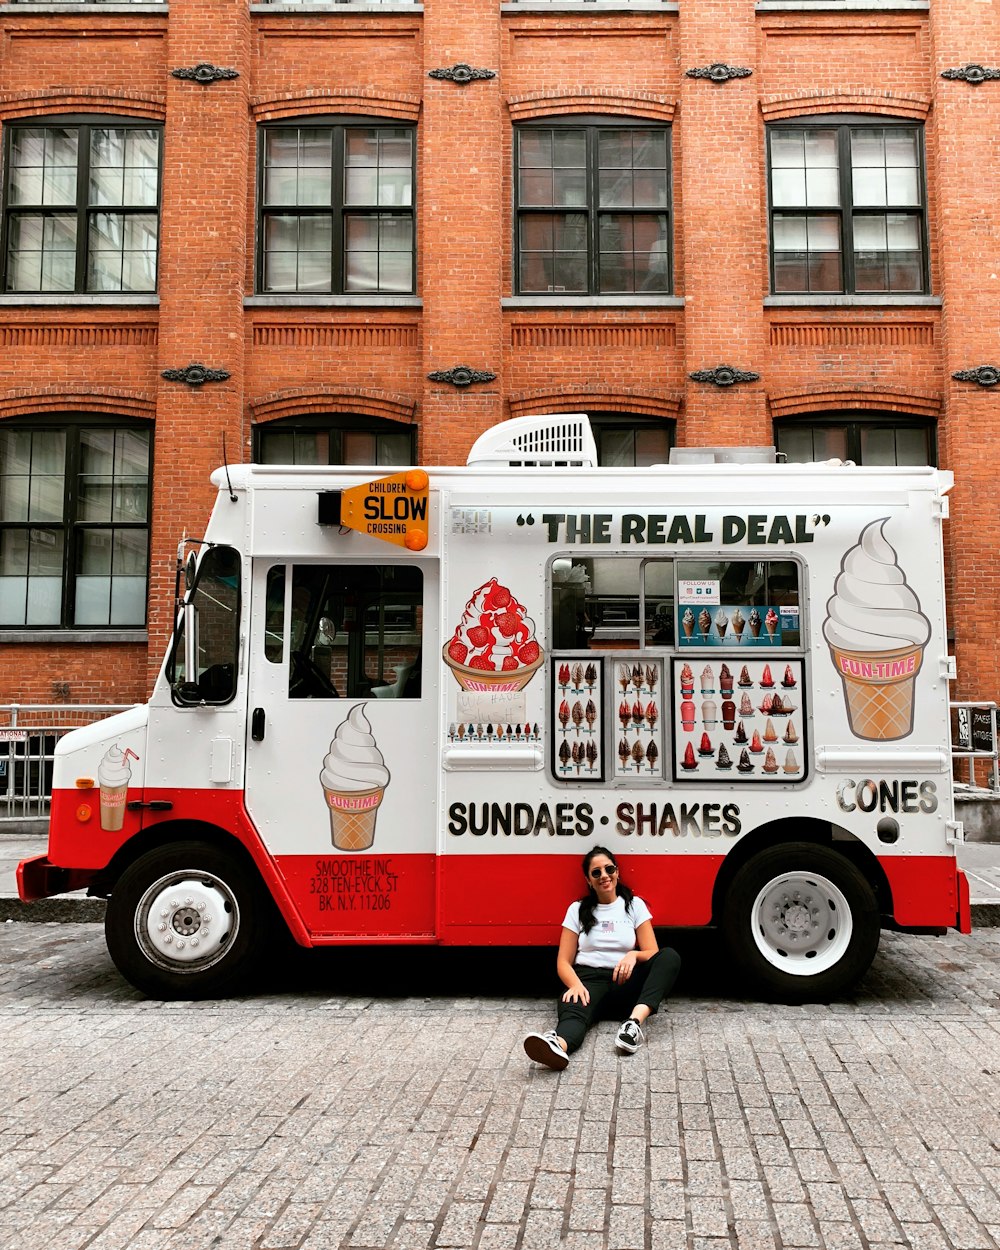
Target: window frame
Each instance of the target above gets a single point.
(335, 425)
(842, 124)
(336, 212)
(591, 123)
(852, 424)
(607, 420)
(83, 209)
(73, 425)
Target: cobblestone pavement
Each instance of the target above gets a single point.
(311, 1115)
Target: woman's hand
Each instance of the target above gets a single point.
(577, 994)
(623, 968)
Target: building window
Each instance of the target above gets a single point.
(624, 440)
(593, 208)
(336, 209)
(868, 441)
(81, 207)
(847, 208)
(74, 525)
(340, 439)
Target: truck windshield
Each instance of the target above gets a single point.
(215, 599)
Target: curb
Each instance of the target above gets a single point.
(63, 909)
(82, 910)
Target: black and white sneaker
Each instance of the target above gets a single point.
(545, 1049)
(629, 1037)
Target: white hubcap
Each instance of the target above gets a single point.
(187, 918)
(802, 923)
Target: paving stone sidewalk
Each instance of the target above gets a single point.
(313, 1116)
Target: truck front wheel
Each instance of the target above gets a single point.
(801, 922)
(185, 921)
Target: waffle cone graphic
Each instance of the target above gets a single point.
(878, 690)
(352, 817)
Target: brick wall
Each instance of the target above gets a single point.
(294, 359)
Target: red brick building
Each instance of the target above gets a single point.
(324, 204)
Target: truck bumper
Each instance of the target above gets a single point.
(37, 878)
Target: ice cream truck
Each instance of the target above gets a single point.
(398, 708)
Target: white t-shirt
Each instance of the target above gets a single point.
(613, 934)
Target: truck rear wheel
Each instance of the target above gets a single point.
(185, 921)
(801, 922)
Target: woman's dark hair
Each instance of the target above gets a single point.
(589, 900)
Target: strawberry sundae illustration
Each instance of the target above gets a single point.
(494, 646)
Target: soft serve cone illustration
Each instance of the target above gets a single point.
(354, 779)
(877, 635)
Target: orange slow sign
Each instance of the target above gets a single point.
(392, 508)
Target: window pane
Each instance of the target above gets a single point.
(128, 601)
(869, 232)
(553, 251)
(569, 188)
(869, 186)
(358, 447)
(378, 253)
(868, 149)
(393, 449)
(822, 187)
(878, 445)
(821, 149)
(912, 446)
(297, 253)
(652, 445)
(787, 149)
(44, 605)
(42, 253)
(616, 448)
(534, 149)
(569, 149)
(634, 253)
(905, 272)
(788, 188)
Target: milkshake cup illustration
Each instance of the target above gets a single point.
(354, 779)
(876, 634)
(113, 776)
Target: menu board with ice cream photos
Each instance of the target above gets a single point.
(578, 718)
(740, 721)
(638, 734)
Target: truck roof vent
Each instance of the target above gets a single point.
(547, 440)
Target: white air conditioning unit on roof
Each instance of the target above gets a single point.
(546, 440)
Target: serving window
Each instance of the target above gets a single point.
(626, 714)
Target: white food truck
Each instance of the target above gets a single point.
(389, 697)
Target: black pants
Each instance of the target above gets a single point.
(649, 984)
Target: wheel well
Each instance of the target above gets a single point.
(162, 834)
(802, 829)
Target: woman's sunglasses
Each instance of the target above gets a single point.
(598, 873)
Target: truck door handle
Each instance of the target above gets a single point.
(257, 725)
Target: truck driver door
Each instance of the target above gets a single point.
(342, 773)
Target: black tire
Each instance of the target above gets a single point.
(188, 921)
(801, 923)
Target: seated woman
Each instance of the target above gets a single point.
(609, 962)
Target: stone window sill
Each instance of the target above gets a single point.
(853, 301)
(596, 6)
(66, 299)
(76, 636)
(23, 9)
(592, 301)
(333, 301)
(842, 6)
(301, 10)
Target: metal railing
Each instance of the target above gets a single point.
(974, 737)
(28, 736)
